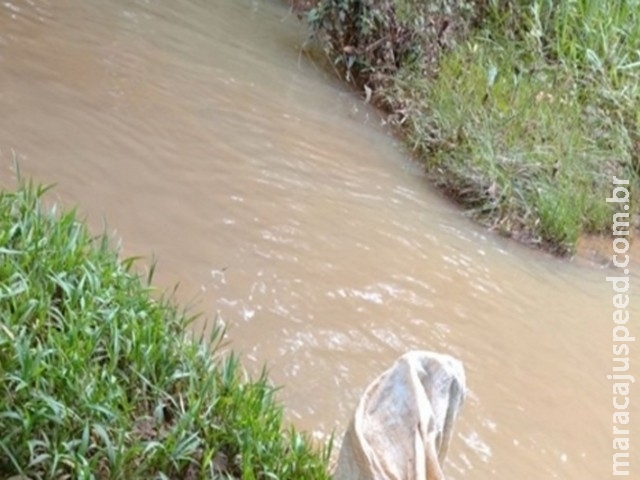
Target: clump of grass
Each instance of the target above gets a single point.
(98, 379)
(370, 41)
(526, 117)
(521, 151)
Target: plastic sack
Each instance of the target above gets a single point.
(403, 424)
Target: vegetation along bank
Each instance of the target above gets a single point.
(520, 110)
(97, 376)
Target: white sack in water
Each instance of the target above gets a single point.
(403, 424)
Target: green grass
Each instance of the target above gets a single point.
(99, 380)
(520, 151)
(533, 106)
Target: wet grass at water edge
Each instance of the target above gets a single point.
(522, 111)
(99, 380)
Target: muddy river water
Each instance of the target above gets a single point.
(199, 133)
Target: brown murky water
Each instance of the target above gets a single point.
(274, 197)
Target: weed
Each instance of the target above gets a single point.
(97, 377)
(522, 113)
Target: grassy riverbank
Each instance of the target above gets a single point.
(521, 110)
(98, 379)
